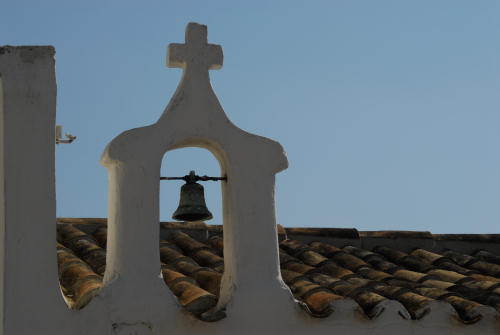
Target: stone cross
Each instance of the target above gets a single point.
(196, 51)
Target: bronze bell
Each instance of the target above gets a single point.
(192, 206)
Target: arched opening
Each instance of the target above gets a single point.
(178, 163)
(191, 253)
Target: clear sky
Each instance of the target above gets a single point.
(389, 111)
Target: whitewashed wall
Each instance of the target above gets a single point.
(134, 299)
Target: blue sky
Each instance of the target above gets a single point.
(389, 110)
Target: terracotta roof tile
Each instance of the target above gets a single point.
(84, 246)
(100, 236)
(317, 298)
(487, 256)
(380, 263)
(78, 281)
(217, 243)
(190, 295)
(469, 311)
(200, 252)
(337, 266)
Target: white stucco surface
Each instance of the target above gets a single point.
(28, 268)
(134, 299)
(195, 118)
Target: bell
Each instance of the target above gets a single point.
(192, 206)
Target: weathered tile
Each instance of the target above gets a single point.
(318, 273)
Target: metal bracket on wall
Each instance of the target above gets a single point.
(59, 139)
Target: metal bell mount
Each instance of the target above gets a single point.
(192, 206)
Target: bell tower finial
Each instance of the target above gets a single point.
(196, 51)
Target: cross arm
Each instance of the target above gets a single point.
(176, 55)
(215, 56)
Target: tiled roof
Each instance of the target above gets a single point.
(319, 265)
